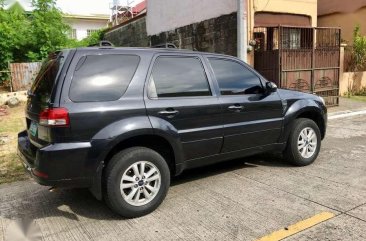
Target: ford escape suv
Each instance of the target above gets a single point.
(122, 121)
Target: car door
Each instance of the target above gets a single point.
(252, 117)
(179, 98)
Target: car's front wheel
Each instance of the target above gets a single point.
(137, 181)
(303, 143)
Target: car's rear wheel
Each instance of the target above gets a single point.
(137, 181)
(303, 143)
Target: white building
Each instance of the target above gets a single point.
(83, 16)
(84, 25)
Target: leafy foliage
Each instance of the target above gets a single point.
(359, 50)
(29, 37)
(93, 39)
(13, 41)
(357, 61)
(48, 32)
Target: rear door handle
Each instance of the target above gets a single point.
(236, 107)
(169, 112)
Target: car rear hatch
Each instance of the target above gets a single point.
(42, 112)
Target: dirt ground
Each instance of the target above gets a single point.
(10, 124)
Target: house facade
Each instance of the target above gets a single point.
(84, 25)
(161, 18)
(343, 14)
(208, 25)
(161, 21)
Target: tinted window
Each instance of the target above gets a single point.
(177, 77)
(46, 78)
(102, 77)
(235, 79)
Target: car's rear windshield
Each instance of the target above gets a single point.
(46, 78)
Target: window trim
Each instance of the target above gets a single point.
(89, 32)
(198, 57)
(260, 79)
(86, 55)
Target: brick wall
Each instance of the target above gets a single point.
(217, 35)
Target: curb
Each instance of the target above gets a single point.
(345, 114)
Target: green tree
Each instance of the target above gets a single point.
(14, 28)
(48, 31)
(358, 62)
(28, 37)
(359, 49)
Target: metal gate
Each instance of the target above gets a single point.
(23, 74)
(300, 58)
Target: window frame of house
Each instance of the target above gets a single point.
(73, 33)
(291, 38)
(91, 31)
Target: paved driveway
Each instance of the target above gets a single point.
(244, 199)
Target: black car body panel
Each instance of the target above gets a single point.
(199, 130)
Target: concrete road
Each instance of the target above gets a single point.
(244, 199)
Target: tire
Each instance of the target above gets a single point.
(120, 170)
(307, 155)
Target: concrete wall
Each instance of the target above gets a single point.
(216, 35)
(132, 34)
(82, 25)
(346, 21)
(352, 81)
(205, 25)
(166, 15)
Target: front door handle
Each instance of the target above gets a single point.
(169, 112)
(236, 107)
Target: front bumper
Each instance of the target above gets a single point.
(60, 164)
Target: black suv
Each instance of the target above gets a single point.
(122, 121)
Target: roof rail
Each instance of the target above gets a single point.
(165, 45)
(103, 43)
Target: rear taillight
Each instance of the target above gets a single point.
(54, 117)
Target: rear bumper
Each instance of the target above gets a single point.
(59, 165)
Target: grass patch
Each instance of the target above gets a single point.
(11, 168)
(359, 97)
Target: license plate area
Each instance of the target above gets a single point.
(33, 129)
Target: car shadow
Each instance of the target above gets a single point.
(80, 205)
(265, 159)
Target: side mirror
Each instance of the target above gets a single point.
(271, 87)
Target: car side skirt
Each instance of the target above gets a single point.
(278, 147)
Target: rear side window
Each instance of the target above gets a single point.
(178, 77)
(102, 77)
(235, 79)
(46, 78)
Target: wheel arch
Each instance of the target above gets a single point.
(305, 108)
(316, 117)
(152, 141)
(161, 144)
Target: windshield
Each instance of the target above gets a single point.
(45, 80)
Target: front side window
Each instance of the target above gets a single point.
(102, 77)
(178, 77)
(235, 79)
